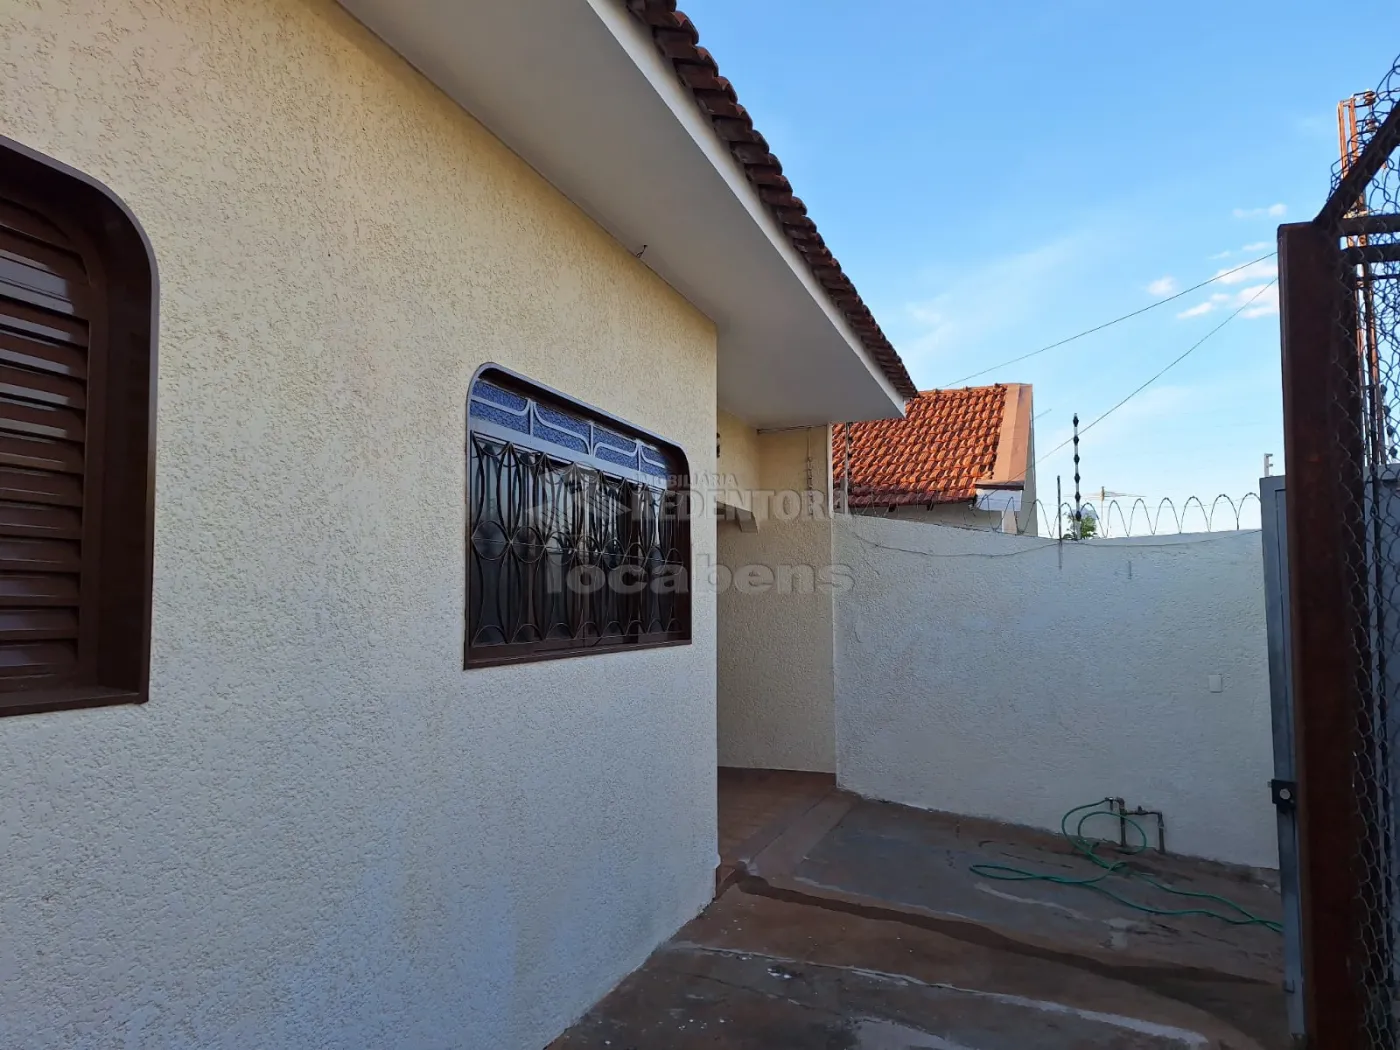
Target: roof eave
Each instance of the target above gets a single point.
(617, 123)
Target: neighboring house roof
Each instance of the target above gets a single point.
(950, 443)
(678, 41)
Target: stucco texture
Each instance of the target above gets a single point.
(958, 515)
(739, 467)
(776, 700)
(321, 831)
(1000, 676)
(739, 455)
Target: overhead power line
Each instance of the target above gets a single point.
(1165, 369)
(1117, 320)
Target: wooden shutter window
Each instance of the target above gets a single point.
(77, 410)
(50, 355)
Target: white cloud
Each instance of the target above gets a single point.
(1263, 270)
(1259, 300)
(1266, 303)
(1143, 414)
(1197, 310)
(1273, 211)
(1162, 286)
(980, 305)
(1248, 249)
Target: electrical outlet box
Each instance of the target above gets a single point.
(1215, 683)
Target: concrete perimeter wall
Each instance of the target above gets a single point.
(1005, 677)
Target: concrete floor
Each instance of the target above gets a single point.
(850, 925)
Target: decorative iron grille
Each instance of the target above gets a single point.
(579, 536)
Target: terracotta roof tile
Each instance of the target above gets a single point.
(678, 41)
(938, 453)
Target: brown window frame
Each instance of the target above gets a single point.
(586, 514)
(117, 552)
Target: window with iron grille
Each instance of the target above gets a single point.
(578, 529)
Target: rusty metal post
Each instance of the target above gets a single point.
(1325, 451)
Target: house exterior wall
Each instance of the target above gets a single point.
(775, 685)
(738, 473)
(321, 831)
(1003, 677)
(1028, 519)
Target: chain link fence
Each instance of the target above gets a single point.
(1366, 227)
(1341, 356)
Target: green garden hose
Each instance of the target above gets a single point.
(1235, 915)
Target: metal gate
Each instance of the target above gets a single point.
(1340, 306)
(1273, 504)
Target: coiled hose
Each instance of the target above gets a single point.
(1233, 913)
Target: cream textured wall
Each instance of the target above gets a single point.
(776, 586)
(739, 462)
(976, 674)
(738, 470)
(796, 460)
(321, 831)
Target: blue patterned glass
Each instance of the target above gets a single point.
(607, 437)
(560, 437)
(612, 455)
(481, 410)
(564, 421)
(654, 462)
(491, 392)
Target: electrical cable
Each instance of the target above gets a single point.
(1117, 320)
(1165, 369)
(1103, 808)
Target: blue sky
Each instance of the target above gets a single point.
(996, 181)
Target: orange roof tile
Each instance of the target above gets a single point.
(944, 446)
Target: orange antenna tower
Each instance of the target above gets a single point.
(1356, 123)
(1355, 116)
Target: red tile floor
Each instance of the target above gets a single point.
(755, 805)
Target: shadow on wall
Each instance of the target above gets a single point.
(1014, 678)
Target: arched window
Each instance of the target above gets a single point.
(77, 373)
(578, 529)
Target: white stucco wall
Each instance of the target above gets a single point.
(960, 515)
(776, 705)
(321, 831)
(977, 673)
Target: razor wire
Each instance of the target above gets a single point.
(1224, 513)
